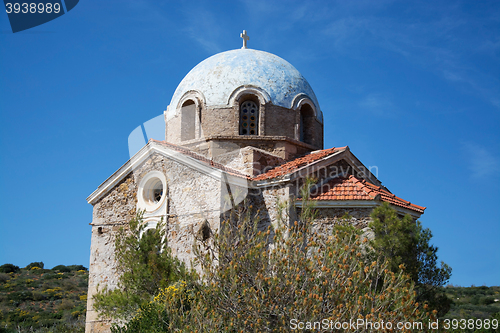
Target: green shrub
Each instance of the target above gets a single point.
(406, 245)
(487, 300)
(145, 265)
(475, 299)
(9, 268)
(66, 304)
(49, 276)
(151, 318)
(20, 296)
(39, 296)
(77, 268)
(4, 277)
(38, 264)
(69, 285)
(61, 268)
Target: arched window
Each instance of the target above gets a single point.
(148, 231)
(188, 120)
(306, 123)
(249, 118)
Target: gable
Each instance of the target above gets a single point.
(180, 155)
(322, 165)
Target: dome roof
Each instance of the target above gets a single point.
(217, 77)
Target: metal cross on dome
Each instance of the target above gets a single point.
(245, 39)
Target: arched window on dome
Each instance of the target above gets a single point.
(188, 120)
(306, 123)
(249, 117)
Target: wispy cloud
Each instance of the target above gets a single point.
(495, 101)
(482, 163)
(346, 31)
(147, 12)
(287, 13)
(378, 104)
(450, 76)
(449, 44)
(203, 27)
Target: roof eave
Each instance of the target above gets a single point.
(156, 147)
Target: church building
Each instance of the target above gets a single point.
(243, 124)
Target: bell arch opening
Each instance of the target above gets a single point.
(306, 124)
(188, 120)
(249, 116)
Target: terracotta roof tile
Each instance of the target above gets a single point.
(352, 188)
(297, 163)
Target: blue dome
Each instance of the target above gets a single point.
(217, 77)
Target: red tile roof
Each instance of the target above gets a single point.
(352, 188)
(297, 163)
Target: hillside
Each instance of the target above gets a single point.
(473, 302)
(34, 299)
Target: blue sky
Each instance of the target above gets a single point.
(412, 87)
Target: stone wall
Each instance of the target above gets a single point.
(220, 121)
(214, 124)
(110, 213)
(359, 217)
(249, 160)
(193, 198)
(283, 147)
(280, 121)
